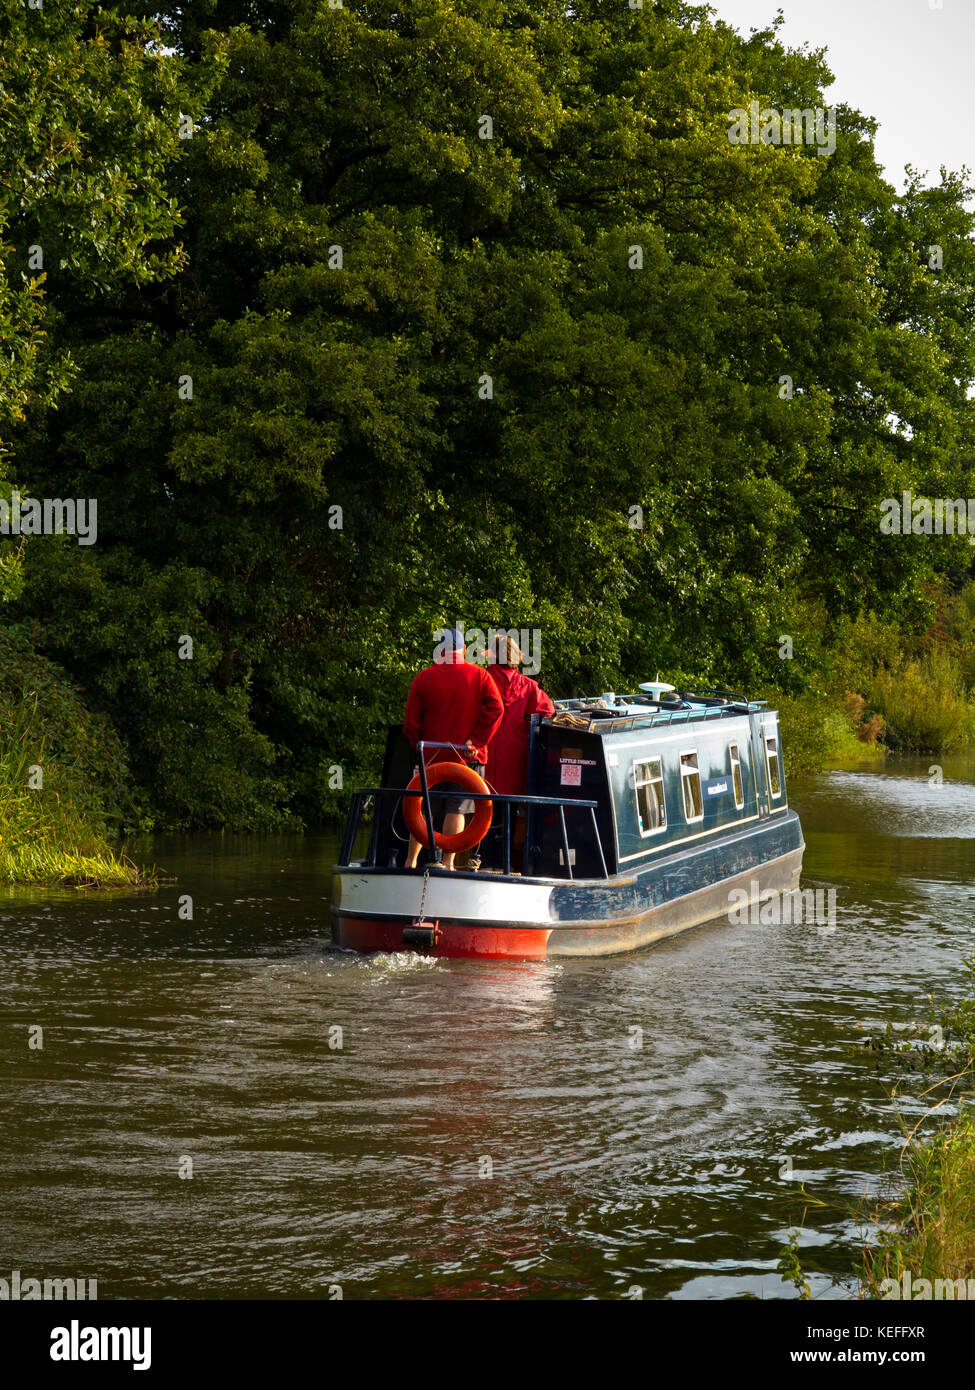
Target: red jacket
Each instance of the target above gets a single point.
(451, 703)
(507, 761)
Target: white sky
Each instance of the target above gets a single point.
(904, 63)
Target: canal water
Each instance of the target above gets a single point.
(226, 1107)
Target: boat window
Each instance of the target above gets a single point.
(648, 779)
(736, 775)
(691, 783)
(772, 758)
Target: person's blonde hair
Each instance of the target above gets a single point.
(505, 651)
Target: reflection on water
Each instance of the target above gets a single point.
(405, 1127)
(917, 799)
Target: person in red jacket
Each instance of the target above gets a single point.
(507, 760)
(452, 702)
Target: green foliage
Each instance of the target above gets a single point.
(861, 647)
(790, 1267)
(817, 733)
(928, 1228)
(362, 387)
(56, 832)
(960, 622)
(84, 761)
(12, 573)
(925, 705)
(89, 123)
(872, 686)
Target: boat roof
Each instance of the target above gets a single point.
(611, 713)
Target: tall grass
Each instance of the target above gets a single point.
(929, 1230)
(934, 1222)
(925, 705)
(927, 1227)
(45, 836)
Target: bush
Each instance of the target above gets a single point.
(867, 727)
(55, 832)
(960, 622)
(40, 704)
(815, 733)
(925, 705)
(860, 647)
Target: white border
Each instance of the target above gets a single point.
(736, 758)
(653, 758)
(696, 754)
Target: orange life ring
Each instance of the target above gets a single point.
(476, 828)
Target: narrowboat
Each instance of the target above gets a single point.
(642, 814)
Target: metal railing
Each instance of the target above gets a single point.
(605, 718)
(361, 797)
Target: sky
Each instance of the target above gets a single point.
(905, 63)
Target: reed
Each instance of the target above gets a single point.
(925, 1228)
(933, 1235)
(928, 1230)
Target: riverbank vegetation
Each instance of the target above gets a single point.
(63, 780)
(880, 688)
(357, 322)
(923, 1227)
(927, 1229)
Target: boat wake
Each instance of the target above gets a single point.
(384, 965)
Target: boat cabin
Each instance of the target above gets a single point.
(613, 782)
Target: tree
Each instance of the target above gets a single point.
(89, 122)
(467, 291)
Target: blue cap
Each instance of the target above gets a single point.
(454, 638)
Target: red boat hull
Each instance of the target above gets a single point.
(453, 939)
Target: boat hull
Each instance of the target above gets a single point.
(459, 914)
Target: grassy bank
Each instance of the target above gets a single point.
(925, 1228)
(862, 687)
(928, 1230)
(934, 1222)
(63, 780)
(46, 837)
